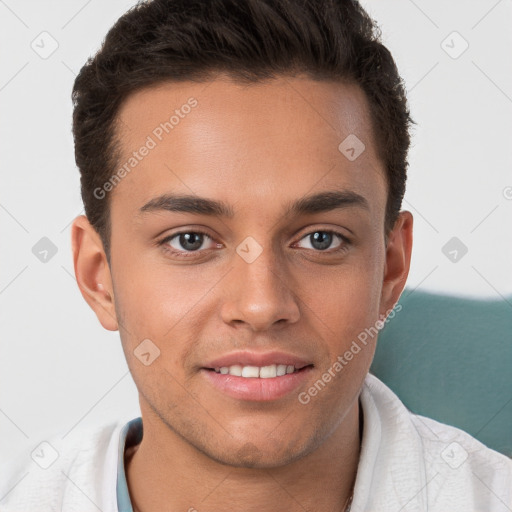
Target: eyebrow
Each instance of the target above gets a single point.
(316, 203)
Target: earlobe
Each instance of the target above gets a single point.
(92, 272)
(398, 260)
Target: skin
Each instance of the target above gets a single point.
(257, 148)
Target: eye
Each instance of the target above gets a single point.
(320, 240)
(185, 242)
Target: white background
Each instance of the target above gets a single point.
(58, 367)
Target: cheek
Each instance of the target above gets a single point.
(167, 306)
(154, 296)
(344, 300)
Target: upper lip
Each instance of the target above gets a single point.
(245, 358)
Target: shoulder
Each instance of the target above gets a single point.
(455, 469)
(47, 474)
(455, 458)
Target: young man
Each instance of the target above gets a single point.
(243, 165)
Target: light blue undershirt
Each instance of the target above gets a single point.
(130, 435)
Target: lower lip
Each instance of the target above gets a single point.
(256, 389)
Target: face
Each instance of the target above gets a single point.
(276, 255)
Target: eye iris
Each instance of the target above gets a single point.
(321, 239)
(195, 239)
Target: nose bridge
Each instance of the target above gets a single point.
(262, 268)
(261, 293)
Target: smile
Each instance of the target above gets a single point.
(262, 372)
(257, 383)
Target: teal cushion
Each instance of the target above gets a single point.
(450, 359)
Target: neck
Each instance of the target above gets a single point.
(166, 473)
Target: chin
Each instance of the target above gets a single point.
(265, 456)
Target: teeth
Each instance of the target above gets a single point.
(250, 371)
(236, 369)
(267, 372)
(263, 372)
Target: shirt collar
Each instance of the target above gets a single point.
(130, 435)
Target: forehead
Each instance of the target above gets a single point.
(262, 141)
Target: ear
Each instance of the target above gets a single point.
(93, 272)
(398, 260)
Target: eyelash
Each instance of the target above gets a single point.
(188, 254)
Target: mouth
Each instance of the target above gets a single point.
(260, 372)
(257, 383)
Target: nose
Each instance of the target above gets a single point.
(260, 293)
